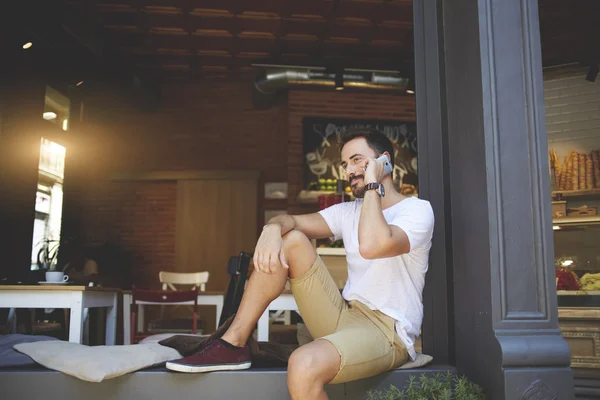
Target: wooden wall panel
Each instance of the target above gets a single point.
(215, 220)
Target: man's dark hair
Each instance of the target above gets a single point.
(376, 140)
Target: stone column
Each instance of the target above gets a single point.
(505, 308)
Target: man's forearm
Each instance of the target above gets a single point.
(285, 222)
(372, 226)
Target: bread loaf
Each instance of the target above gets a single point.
(569, 172)
(555, 166)
(575, 171)
(596, 167)
(582, 172)
(589, 172)
(562, 175)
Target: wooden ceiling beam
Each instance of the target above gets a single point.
(236, 8)
(284, 12)
(566, 34)
(323, 33)
(377, 20)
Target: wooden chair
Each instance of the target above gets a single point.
(169, 280)
(238, 269)
(196, 279)
(161, 297)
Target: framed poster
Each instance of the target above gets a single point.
(322, 157)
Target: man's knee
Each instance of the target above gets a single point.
(308, 364)
(299, 252)
(294, 240)
(303, 364)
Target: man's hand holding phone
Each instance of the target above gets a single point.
(268, 254)
(376, 169)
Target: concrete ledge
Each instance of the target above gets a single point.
(259, 384)
(587, 387)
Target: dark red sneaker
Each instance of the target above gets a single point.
(217, 355)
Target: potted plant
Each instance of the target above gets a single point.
(47, 257)
(437, 387)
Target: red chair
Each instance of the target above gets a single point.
(161, 297)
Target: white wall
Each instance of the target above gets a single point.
(572, 114)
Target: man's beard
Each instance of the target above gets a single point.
(359, 189)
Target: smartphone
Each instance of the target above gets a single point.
(387, 165)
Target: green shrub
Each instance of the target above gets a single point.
(436, 387)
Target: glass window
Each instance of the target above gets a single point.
(56, 108)
(573, 127)
(48, 205)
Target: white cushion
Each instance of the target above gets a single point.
(94, 364)
(421, 360)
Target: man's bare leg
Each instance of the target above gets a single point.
(263, 288)
(310, 368)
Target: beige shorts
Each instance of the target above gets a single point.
(366, 339)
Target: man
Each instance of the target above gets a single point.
(372, 326)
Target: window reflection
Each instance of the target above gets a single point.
(56, 108)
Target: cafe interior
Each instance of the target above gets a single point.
(144, 144)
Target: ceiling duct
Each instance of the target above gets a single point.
(277, 78)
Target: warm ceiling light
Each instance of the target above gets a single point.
(339, 80)
(65, 124)
(410, 88)
(79, 83)
(48, 115)
(27, 45)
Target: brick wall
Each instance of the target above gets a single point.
(140, 217)
(198, 127)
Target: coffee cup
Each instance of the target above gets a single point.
(56, 276)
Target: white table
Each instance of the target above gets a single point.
(204, 299)
(75, 298)
(285, 301)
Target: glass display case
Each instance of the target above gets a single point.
(577, 248)
(573, 128)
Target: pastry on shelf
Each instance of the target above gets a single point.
(590, 281)
(566, 280)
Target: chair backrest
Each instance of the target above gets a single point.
(161, 297)
(164, 296)
(238, 269)
(170, 279)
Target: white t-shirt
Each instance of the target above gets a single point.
(391, 285)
